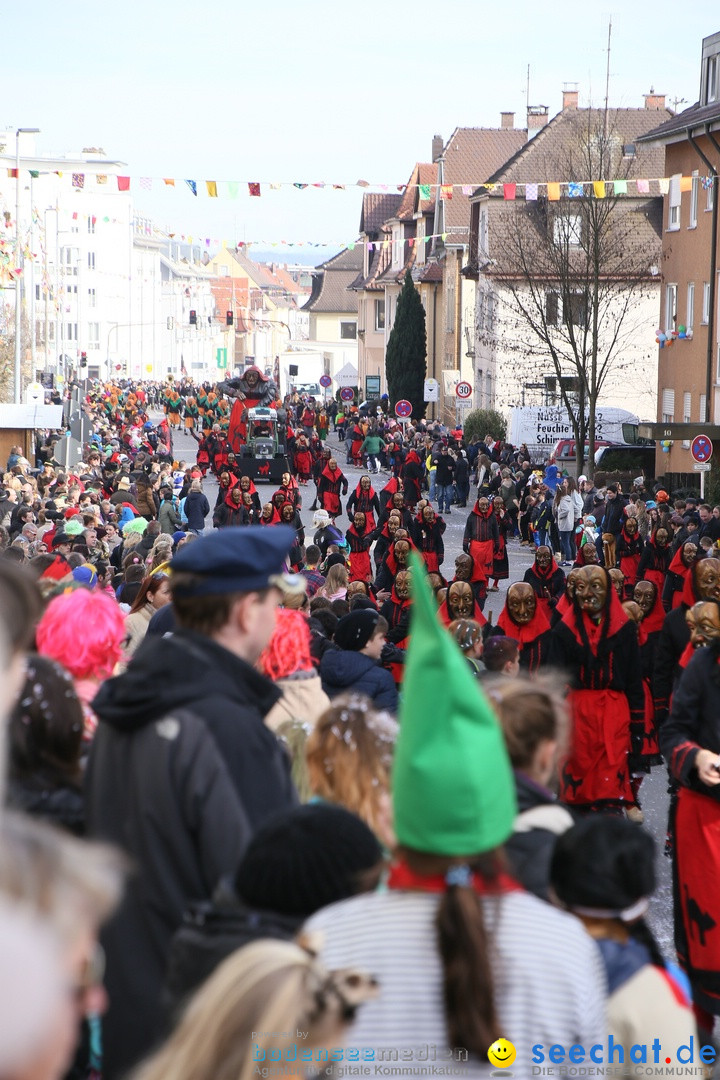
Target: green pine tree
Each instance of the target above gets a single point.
(406, 351)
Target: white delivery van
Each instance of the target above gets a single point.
(541, 427)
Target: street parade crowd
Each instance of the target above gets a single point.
(289, 803)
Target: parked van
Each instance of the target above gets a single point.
(626, 457)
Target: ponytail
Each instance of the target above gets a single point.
(468, 991)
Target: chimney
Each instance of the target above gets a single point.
(507, 119)
(654, 101)
(437, 147)
(537, 118)
(570, 95)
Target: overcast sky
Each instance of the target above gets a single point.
(314, 91)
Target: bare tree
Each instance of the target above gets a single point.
(574, 272)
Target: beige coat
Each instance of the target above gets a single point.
(136, 627)
(303, 699)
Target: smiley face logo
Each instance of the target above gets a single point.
(501, 1054)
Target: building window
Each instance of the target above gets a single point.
(37, 291)
(670, 308)
(71, 333)
(380, 314)
(706, 303)
(91, 260)
(576, 314)
(51, 331)
(687, 406)
(483, 232)
(629, 150)
(91, 225)
(674, 199)
(694, 193)
(450, 308)
(567, 230)
(92, 298)
(690, 310)
(93, 335)
(668, 406)
(348, 331)
(701, 414)
(552, 306)
(711, 80)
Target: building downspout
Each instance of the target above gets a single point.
(710, 360)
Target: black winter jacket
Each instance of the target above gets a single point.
(541, 819)
(343, 671)
(694, 721)
(182, 769)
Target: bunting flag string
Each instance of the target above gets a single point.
(599, 188)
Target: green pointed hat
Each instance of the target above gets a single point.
(453, 787)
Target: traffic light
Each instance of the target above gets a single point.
(228, 318)
(193, 317)
(83, 359)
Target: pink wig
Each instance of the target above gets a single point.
(289, 648)
(84, 631)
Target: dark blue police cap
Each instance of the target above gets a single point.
(241, 558)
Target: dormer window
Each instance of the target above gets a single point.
(711, 80)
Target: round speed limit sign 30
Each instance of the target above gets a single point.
(463, 390)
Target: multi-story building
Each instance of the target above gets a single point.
(688, 363)
(540, 203)
(333, 315)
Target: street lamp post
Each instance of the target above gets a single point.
(18, 285)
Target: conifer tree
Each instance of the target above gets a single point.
(406, 350)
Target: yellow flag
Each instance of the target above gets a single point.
(686, 183)
(553, 192)
(211, 188)
(599, 189)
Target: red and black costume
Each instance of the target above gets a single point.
(672, 593)
(229, 513)
(533, 638)
(548, 585)
(247, 485)
(648, 753)
(694, 724)
(290, 493)
(673, 649)
(397, 614)
(654, 564)
(412, 474)
(607, 703)
(356, 440)
(386, 494)
(330, 486)
(303, 461)
(500, 564)
(481, 539)
(446, 618)
(627, 553)
(428, 539)
(365, 502)
(359, 544)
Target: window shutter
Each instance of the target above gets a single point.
(668, 402)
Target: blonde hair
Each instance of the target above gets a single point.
(256, 994)
(72, 884)
(336, 579)
(349, 757)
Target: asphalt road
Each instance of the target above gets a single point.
(653, 794)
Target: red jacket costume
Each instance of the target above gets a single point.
(548, 585)
(628, 552)
(360, 568)
(330, 486)
(607, 703)
(481, 540)
(533, 638)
